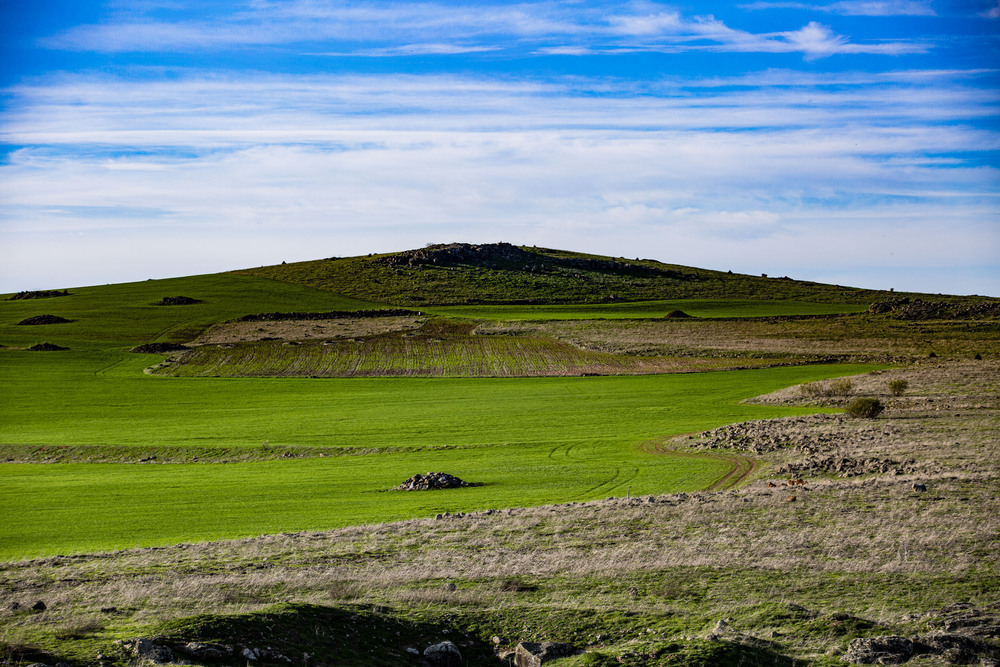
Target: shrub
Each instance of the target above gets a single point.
(865, 408)
(840, 387)
(813, 389)
(897, 387)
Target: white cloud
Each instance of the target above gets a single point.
(798, 165)
(855, 7)
(411, 28)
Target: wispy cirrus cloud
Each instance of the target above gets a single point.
(771, 162)
(427, 28)
(855, 7)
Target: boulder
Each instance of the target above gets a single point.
(444, 653)
(533, 654)
(206, 651)
(147, 650)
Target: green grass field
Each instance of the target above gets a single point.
(116, 316)
(527, 441)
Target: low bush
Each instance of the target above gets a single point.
(865, 408)
(841, 388)
(897, 387)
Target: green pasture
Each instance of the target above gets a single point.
(703, 308)
(124, 315)
(527, 441)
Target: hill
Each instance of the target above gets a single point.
(502, 273)
(206, 470)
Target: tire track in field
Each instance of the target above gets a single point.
(742, 466)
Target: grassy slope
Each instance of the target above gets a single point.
(121, 316)
(554, 282)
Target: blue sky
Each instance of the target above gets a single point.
(854, 142)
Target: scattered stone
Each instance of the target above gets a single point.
(917, 309)
(955, 649)
(533, 654)
(206, 651)
(43, 319)
(15, 606)
(845, 466)
(919, 488)
(444, 653)
(886, 650)
(432, 480)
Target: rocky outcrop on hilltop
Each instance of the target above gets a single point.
(510, 257)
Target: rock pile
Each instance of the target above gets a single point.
(762, 436)
(176, 301)
(40, 294)
(432, 480)
(46, 347)
(845, 466)
(43, 319)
